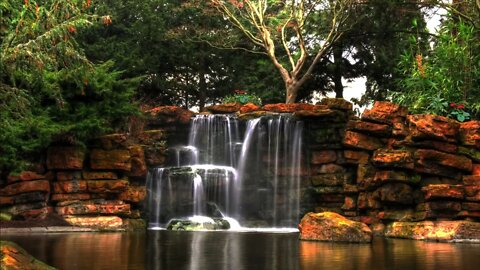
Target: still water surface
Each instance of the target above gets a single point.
(238, 251)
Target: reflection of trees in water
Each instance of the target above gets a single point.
(386, 254)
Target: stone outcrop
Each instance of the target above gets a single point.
(333, 227)
(13, 257)
(382, 167)
(444, 231)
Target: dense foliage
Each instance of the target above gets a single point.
(73, 69)
(49, 89)
(445, 80)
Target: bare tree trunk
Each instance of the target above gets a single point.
(291, 92)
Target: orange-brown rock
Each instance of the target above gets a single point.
(118, 159)
(355, 157)
(6, 200)
(99, 175)
(98, 222)
(30, 214)
(395, 176)
(370, 128)
(337, 103)
(322, 157)
(443, 206)
(76, 186)
(384, 112)
(249, 107)
(137, 161)
(224, 108)
(134, 194)
(332, 227)
(290, 108)
(470, 133)
(155, 156)
(366, 200)
(25, 176)
(13, 257)
(400, 128)
(329, 179)
(150, 137)
(65, 158)
(107, 186)
(90, 207)
(444, 191)
(350, 203)
(435, 230)
(113, 141)
(30, 197)
(328, 169)
(398, 193)
(69, 175)
(393, 158)
(365, 176)
(475, 169)
(361, 141)
(472, 193)
(322, 115)
(427, 126)
(471, 206)
(471, 180)
(459, 162)
(432, 168)
(71, 197)
(168, 115)
(25, 186)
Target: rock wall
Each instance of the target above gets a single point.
(383, 167)
(102, 185)
(390, 166)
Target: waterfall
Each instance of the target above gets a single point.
(254, 178)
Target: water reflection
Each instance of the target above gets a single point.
(237, 251)
(222, 250)
(389, 254)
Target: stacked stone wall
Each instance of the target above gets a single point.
(382, 167)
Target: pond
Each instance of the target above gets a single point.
(237, 251)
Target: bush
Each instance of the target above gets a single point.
(242, 97)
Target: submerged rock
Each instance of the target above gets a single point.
(329, 226)
(445, 231)
(12, 256)
(198, 224)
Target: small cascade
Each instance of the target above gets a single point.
(251, 180)
(217, 138)
(272, 151)
(183, 155)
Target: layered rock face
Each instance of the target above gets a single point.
(383, 167)
(101, 186)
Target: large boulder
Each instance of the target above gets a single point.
(433, 127)
(12, 257)
(435, 230)
(361, 141)
(384, 112)
(333, 227)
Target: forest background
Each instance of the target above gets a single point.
(71, 70)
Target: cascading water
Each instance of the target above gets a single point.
(254, 179)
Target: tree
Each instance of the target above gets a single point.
(445, 79)
(49, 90)
(274, 25)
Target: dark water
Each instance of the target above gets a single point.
(237, 251)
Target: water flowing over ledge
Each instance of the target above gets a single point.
(253, 179)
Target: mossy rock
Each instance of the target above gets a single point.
(13, 257)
